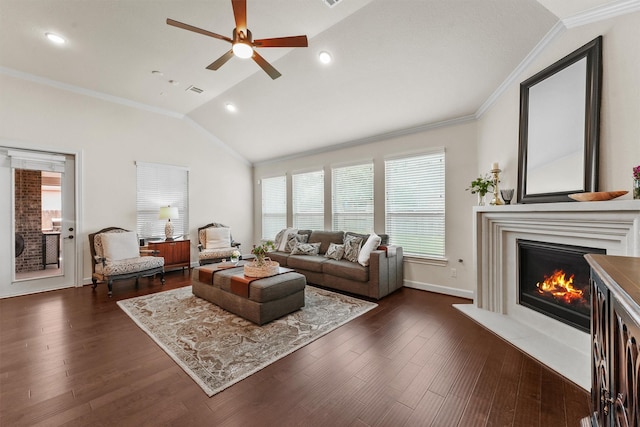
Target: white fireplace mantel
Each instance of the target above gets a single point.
(610, 225)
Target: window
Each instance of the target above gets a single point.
(352, 192)
(415, 203)
(274, 206)
(308, 201)
(157, 186)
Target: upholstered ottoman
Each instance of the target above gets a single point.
(259, 301)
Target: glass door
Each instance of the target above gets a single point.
(41, 222)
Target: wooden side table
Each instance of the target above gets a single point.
(176, 253)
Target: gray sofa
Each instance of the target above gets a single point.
(383, 275)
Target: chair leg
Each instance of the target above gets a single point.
(110, 284)
(162, 278)
(95, 283)
(137, 282)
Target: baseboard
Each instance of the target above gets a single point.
(455, 292)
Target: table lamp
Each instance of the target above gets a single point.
(168, 213)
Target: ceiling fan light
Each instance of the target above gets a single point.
(242, 50)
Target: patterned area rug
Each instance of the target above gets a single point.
(217, 348)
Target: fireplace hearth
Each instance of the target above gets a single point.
(553, 279)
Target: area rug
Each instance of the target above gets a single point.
(217, 348)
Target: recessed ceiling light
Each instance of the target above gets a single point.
(324, 57)
(54, 38)
(230, 107)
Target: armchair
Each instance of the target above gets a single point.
(215, 243)
(115, 255)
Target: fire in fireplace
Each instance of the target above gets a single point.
(553, 279)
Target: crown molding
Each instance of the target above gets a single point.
(600, 13)
(551, 35)
(371, 139)
(607, 11)
(87, 92)
(211, 137)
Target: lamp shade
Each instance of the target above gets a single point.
(168, 212)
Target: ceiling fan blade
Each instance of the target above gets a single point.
(293, 41)
(220, 61)
(268, 68)
(240, 13)
(197, 30)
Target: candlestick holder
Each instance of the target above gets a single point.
(496, 193)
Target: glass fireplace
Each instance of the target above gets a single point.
(553, 279)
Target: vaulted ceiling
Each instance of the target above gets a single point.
(397, 64)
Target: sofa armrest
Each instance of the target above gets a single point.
(385, 271)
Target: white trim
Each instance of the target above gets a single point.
(211, 137)
(446, 290)
(371, 139)
(600, 13)
(87, 92)
(551, 35)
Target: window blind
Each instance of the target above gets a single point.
(308, 201)
(415, 203)
(352, 198)
(161, 185)
(274, 206)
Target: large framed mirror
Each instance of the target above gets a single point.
(559, 128)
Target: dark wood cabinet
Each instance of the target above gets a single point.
(176, 253)
(615, 340)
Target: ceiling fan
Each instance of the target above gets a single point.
(243, 45)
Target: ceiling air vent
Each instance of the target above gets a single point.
(194, 89)
(331, 3)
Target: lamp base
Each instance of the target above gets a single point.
(168, 230)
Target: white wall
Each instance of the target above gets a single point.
(471, 148)
(620, 113)
(459, 142)
(111, 137)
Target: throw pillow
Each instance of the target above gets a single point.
(218, 238)
(117, 246)
(352, 248)
(306, 249)
(283, 237)
(370, 245)
(335, 251)
(294, 239)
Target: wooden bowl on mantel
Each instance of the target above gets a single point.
(597, 196)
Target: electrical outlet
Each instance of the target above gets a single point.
(454, 272)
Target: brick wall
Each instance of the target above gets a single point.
(29, 219)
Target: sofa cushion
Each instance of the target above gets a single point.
(295, 239)
(218, 238)
(306, 249)
(370, 245)
(120, 245)
(345, 269)
(280, 257)
(325, 238)
(129, 265)
(335, 251)
(383, 237)
(306, 262)
(352, 246)
(282, 238)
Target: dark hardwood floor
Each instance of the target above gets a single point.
(72, 357)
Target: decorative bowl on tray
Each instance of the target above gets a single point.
(597, 196)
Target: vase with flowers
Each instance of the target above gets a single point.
(636, 182)
(262, 266)
(481, 186)
(235, 256)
